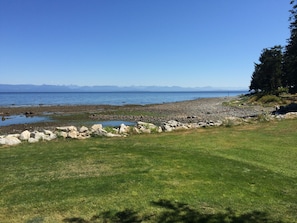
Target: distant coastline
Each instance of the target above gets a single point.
(20, 99)
(22, 88)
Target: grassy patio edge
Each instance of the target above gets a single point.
(218, 174)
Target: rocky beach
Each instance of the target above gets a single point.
(85, 121)
(192, 111)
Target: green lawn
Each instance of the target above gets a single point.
(239, 174)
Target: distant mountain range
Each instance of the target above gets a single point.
(75, 88)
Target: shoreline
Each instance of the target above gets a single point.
(188, 111)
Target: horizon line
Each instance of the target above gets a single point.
(130, 86)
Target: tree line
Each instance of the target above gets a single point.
(276, 71)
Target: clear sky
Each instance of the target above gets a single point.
(188, 43)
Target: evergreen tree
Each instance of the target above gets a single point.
(256, 79)
(290, 56)
(267, 76)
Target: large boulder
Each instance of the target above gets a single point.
(66, 128)
(124, 129)
(136, 130)
(38, 135)
(25, 135)
(49, 135)
(145, 127)
(11, 141)
(83, 129)
(33, 140)
(97, 129)
(291, 115)
(171, 125)
(218, 123)
(73, 134)
(109, 134)
(83, 135)
(167, 128)
(67, 132)
(62, 134)
(2, 140)
(16, 135)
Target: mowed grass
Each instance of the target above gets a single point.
(239, 174)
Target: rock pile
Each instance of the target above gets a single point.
(31, 137)
(123, 130)
(175, 125)
(98, 130)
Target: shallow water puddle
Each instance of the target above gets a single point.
(21, 119)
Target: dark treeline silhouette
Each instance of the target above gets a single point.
(277, 70)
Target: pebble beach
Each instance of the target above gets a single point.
(185, 111)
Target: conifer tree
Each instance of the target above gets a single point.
(267, 77)
(290, 55)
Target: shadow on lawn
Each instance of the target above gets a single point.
(175, 212)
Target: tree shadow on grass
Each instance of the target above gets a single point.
(125, 216)
(180, 212)
(176, 212)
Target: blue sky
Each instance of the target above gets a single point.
(188, 43)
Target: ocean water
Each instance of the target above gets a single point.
(98, 98)
(107, 98)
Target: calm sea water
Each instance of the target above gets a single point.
(109, 98)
